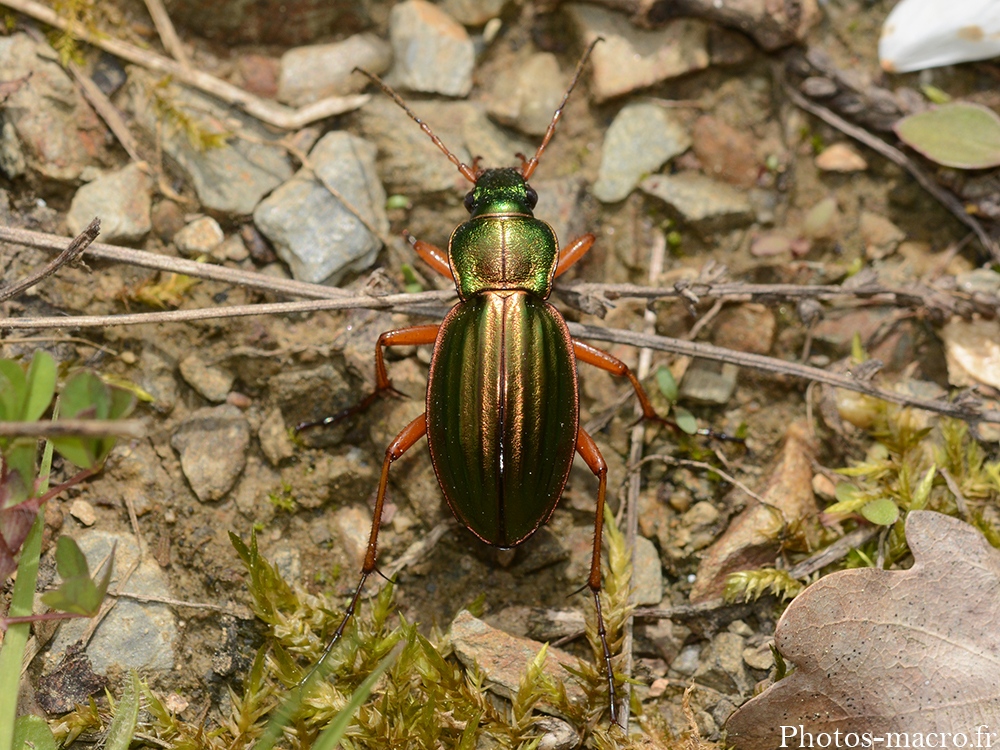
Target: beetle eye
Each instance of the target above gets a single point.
(470, 201)
(531, 195)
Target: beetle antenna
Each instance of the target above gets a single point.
(528, 167)
(466, 171)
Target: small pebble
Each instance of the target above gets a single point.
(239, 400)
(199, 237)
(211, 382)
(121, 198)
(824, 487)
(176, 703)
(841, 157)
(881, 236)
(83, 512)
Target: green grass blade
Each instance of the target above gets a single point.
(334, 731)
(16, 637)
(122, 727)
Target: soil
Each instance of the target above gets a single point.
(310, 366)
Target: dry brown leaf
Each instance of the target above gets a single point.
(877, 651)
(751, 541)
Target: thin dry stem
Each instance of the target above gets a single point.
(968, 409)
(130, 428)
(168, 35)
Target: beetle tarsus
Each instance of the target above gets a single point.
(704, 431)
(380, 392)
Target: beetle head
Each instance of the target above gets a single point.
(500, 191)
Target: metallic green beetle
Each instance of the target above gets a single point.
(502, 418)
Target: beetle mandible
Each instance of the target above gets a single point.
(502, 415)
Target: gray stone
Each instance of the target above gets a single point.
(339, 478)
(979, 281)
(707, 205)
(647, 573)
(527, 97)
(760, 658)
(310, 228)
(273, 436)
(199, 237)
(711, 383)
(214, 383)
(722, 667)
(210, 471)
(232, 248)
(630, 58)
(12, 161)
(288, 561)
(556, 734)
(230, 177)
(121, 198)
(687, 660)
(58, 132)
(251, 493)
(433, 53)
(665, 636)
(881, 236)
(640, 140)
(156, 376)
(353, 527)
(134, 635)
(311, 73)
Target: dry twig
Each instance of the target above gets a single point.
(967, 409)
(165, 28)
(132, 428)
(75, 249)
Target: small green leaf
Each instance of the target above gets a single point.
(397, 201)
(13, 390)
(960, 135)
(410, 282)
(845, 492)
(32, 733)
(685, 420)
(78, 594)
(19, 481)
(882, 511)
(41, 385)
(849, 499)
(936, 95)
(70, 561)
(86, 396)
(122, 727)
(666, 383)
(126, 384)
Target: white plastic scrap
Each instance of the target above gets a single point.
(922, 34)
